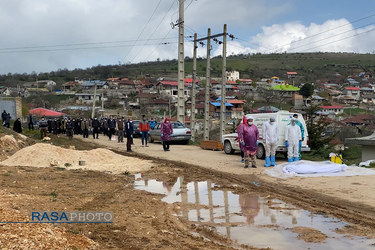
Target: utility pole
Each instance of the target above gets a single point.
(223, 85)
(193, 94)
(206, 131)
(181, 70)
(93, 104)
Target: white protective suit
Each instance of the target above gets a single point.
(293, 136)
(270, 137)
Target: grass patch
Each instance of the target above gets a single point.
(34, 134)
(53, 196)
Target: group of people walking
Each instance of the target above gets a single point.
(108, 126)
(248, 137)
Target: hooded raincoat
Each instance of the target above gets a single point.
(249, 135)
(166, 130)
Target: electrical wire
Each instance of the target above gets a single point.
(303, 45)
(153, 31)
(80, 44)
(144, 27)
(368, 31)
(82, 48)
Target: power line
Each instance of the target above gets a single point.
(308, 37)
(154, 31)
(303, 45)
(80, 44)
(340, 39)
(144, 27)
(83, 48)
(157, 47)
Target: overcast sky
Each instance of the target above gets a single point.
(45, 35)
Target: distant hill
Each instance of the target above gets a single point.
(309, 66)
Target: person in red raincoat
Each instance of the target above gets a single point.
(166, 132)
(249, 141)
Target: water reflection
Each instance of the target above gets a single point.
(249, 218)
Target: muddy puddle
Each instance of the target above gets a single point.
(253, 219)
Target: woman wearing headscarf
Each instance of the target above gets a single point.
(17, 126)
(166, 132)
(239, 134)
(249, 141)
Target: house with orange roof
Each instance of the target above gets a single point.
(291, 74)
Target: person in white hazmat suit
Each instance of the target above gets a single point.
(270, 138)
(293, 138)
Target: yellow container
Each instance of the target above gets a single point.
(336, 159)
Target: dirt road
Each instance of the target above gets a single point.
(350, 198)
(142, 220)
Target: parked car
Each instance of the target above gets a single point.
(180, 133)
(137, 133)
(231, 144)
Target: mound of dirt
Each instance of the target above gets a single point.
(100, 159)
(9, 145)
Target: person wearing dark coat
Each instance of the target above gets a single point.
(111, 127)
(49, 122)
(95, 127)
(54, 126)
(31, 124)
(17, 126)
(129, 130)
(4, 116)
(7, 120)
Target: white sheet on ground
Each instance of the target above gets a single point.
(366, 163)
(315, 169)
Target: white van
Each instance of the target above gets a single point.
(282, 119)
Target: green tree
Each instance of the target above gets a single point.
(316, 128)
(307, 90)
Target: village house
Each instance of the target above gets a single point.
(368, 98)
(214, 109)
(128, 86)
(353, 92)
(87, 98)
(199, 109)
(170, 88)
(291, 74)
(245, 81)
(233, 75)
(338, 110)
(90, 85)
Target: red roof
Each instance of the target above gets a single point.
(352, 88)
(231, 82)
(190, 80)
(245, 80)
(172, 83)
(45, 112)
(236, 101)
(292, 73)
(331, 107)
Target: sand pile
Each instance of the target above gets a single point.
(46, 155)
(9, 145)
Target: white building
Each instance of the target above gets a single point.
(233, 75)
